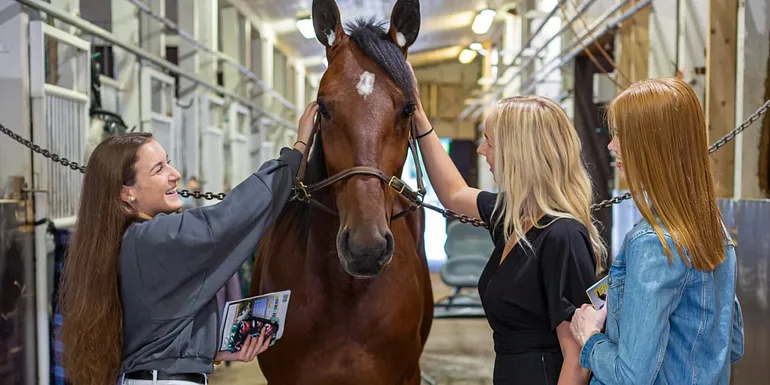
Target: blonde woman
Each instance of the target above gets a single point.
(547, 250)
(672, 314)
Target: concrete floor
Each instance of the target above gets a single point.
(459, 352)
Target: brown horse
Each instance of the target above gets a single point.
(361, 305)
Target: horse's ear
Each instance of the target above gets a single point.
(405, 23)
(326, 22)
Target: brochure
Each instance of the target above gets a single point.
(597, 293)
(247, 317)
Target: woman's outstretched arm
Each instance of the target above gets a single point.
(450, 186)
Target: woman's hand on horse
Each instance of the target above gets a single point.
(423, 124)
(305, 126)
(252, 347)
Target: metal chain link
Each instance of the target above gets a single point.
(446, 213)
(77, 167)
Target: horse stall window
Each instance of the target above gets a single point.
(280, 68)
(291, 84)
(62, 64)
(172, 55)
(256, 53)
(310, 92)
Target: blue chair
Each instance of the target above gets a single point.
(468, 249)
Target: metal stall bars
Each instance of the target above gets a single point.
(237, 140)
(212, 156)
(111, 93)
(59, 121)
(158, 110)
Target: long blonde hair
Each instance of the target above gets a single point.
(539, 169)
(663, 143)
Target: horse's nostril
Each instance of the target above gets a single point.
(388, 245)
(344, 241)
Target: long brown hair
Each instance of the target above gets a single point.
(92, 315)
(663, 143)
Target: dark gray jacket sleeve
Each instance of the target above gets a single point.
(194, 253)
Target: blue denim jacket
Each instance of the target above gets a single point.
(666, 323)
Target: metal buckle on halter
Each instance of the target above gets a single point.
(403, 185)
(406, 191)
(300, 187)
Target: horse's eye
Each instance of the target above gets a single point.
(322, 110)
(409, 110)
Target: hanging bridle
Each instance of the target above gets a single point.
(304, 193)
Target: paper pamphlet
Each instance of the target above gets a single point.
(597, 293)
(248, 316)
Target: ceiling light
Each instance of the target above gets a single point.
(476, 46)
(467, 56)
(305, 26)
(326, 62)
(483, 21)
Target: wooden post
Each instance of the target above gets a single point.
(720, 89)
(634, 52)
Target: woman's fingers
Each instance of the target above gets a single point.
(264, 343)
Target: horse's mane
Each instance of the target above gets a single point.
(372, 38)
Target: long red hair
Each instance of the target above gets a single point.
(664, 144)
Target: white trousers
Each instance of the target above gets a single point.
(127, 381)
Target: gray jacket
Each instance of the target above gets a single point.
(172, 266)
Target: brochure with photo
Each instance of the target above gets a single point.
(597, 293)
(248, 316)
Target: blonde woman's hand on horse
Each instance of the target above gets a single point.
(252, 347)
(305, 126)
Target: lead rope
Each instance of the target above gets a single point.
(446, 213)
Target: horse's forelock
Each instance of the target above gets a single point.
(371, 37)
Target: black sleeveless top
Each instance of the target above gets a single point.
(534, 290)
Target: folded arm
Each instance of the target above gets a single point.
(571, 371)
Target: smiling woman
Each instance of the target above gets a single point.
(152, 273)
(155, 188)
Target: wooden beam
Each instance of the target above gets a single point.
(720, 89)
(634, 53)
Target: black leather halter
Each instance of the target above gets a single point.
(304, 193)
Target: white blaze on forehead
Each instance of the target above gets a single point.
(400, 39)
(330, 36)
(365, 85)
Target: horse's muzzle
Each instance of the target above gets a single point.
(365, 254)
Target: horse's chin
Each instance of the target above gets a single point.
(361, 270)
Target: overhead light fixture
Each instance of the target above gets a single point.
(305, 27)
(476, 46)
(326, 62)
(467, 55)
(483, 21)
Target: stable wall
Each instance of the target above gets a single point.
(752, 73)
(444, 87)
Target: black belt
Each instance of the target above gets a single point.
(147, 375)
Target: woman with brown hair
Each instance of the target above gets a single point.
(672, 316)
(140, 280)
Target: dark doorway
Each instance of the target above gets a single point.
(591, 124)
(463, 154)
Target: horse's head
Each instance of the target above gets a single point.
(366, 98)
